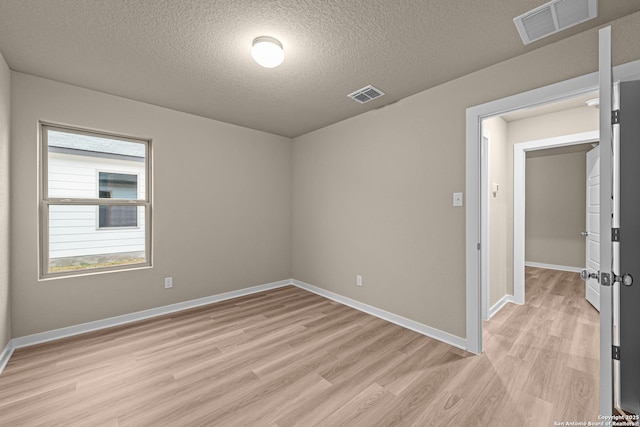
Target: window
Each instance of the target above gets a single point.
(95, 202)
(113, 185)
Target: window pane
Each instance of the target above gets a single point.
(118, 185)
(118, 216)
(78, 163)
(77, 243)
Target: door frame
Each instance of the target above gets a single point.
(486, 231)
(519, 180)
(474, 246)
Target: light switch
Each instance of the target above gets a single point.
(457, 199)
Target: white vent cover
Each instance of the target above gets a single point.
(366, 94)
(554, 16)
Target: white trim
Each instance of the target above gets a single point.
(606, 187)
(6, 354)
(498, 306)
(83, 328)
(473, 219)
(385, 315)
(558, 141)
(519, 174)
(486, 231)
(553, 267)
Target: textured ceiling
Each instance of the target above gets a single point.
(193, 55)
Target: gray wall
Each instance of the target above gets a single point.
(569, 190)
(372, 194)
(222, 207)
(555, 208)
(5, 116)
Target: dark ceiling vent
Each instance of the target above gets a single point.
(553, 17)
(366, 94)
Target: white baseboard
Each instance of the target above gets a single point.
(498, 306)
(6, 355)
(84, 328)
(553, 267)
(389, 317)
(140, 315)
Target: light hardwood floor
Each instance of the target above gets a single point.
(288, 357)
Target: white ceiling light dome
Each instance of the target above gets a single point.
(267, 51)
(593, 102)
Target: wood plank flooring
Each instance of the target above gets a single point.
(291, 358)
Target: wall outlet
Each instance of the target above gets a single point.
(358, 280)
(168, 282)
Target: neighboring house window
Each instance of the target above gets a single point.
(95, 202)
(114, 185)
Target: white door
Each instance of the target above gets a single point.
(606, 210)
(592, 232)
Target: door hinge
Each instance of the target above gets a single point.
(615, 354)
(615, 117)
(478, 246)
(615, 234)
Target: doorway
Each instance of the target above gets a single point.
(603, 81)
(556, 327)
(546, 95)
(543, 252)
(508, 139)
(474, 116)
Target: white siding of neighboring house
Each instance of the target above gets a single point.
(77, 234)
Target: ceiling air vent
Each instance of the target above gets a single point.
(366, 94)
(554, 16)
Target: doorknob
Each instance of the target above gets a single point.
(605, 279)
(584, 233)
(585, 275)
(625, 279)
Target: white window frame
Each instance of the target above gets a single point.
(46, 201)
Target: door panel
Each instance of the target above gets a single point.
(592, 287)
(629, 367)
(606, 206)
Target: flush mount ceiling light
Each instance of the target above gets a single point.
(593, 102)
(267, 51)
